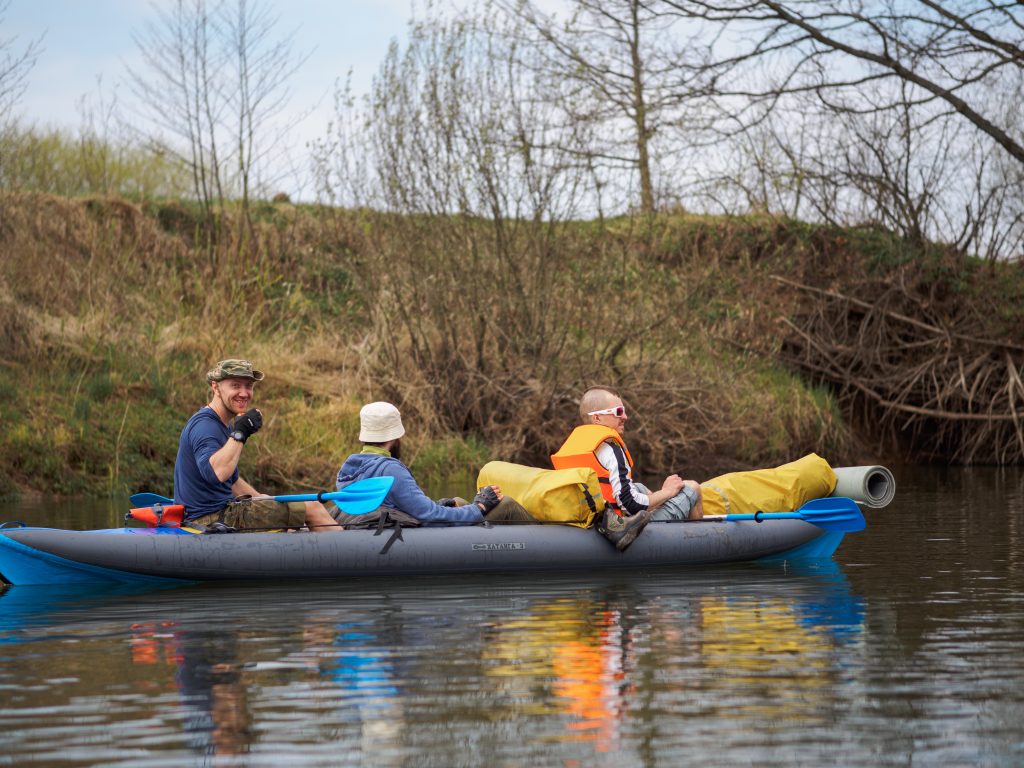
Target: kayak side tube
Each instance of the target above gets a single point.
(22, 564)
(162, 556)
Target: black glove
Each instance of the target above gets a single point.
(487, 498)
(248, 423)
(447, 501)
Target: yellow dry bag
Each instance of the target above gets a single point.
(782, 489)
(571, 496)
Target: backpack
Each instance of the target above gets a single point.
(570, 496)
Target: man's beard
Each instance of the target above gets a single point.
(396, 450)
(226, 401)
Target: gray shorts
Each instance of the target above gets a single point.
(678, 507)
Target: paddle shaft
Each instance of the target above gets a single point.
(833, 513)
(355, 499)
(755, 516)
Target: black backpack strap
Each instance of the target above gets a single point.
(396, 536)
(590, 499)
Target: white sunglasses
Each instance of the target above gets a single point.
(619, 411)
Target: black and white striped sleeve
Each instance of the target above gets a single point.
(630, 498)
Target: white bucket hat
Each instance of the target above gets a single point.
(380, 422)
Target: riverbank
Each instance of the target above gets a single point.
(483, 333)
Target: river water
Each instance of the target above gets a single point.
(906, 649)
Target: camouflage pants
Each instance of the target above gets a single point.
(259, 514)
(509, 511)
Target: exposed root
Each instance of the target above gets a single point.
(934, 383)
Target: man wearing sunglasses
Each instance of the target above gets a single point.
(598, 443)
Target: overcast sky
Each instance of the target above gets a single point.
(87, 39)
(83, 40)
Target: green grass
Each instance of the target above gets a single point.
(451, 465)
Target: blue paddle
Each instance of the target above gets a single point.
(833, 513)
(149, 499)
(359, 498)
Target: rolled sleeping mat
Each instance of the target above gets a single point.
(873, 486)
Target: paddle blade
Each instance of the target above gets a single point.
(362, 496)
(149, 499)
(834, 513)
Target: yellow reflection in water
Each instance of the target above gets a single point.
(758, 645)
(758, 651)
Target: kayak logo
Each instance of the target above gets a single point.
(505, 545)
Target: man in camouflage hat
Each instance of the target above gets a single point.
(206, 478)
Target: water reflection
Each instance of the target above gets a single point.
(214, 697)
(359, 678)
(390, 669)
(600, 648)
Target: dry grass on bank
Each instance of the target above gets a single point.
(110, 314)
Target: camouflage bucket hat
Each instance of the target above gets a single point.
(234, 369)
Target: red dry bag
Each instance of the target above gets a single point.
(159, 515)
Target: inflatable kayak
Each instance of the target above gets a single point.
(55, 556)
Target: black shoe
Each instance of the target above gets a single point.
(622, 531)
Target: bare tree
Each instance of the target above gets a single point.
(182, 91)
(480, 309)
(903, 104)
(214, 82)
(449, 131)
(614, 66)
(259, 68)
(902, 169)
(944, 50)
(15, 65)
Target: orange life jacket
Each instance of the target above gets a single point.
(580, 450)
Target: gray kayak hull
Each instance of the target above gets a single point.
(51, 556)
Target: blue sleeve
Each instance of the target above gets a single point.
(206, 438)
(406, 495)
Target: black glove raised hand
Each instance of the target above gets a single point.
(248, 423)
(487, 499)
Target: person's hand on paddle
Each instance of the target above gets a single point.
(488, 498)
(249, 423)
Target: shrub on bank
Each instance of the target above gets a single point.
(483, 336)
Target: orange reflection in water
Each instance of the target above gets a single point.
(587, 680)
(575, 645)
(153, 643)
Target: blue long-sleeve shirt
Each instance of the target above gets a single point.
(405, 494)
